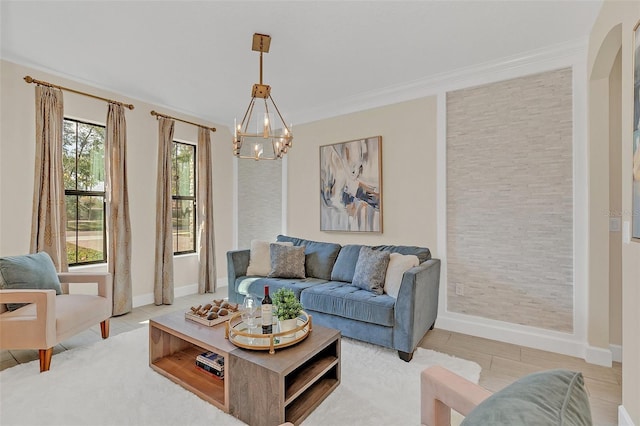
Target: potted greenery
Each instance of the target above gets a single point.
(287, 308)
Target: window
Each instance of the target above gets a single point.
(183, 194)
(83, 168)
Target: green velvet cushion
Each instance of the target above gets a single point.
(30, 271)
(554, 397)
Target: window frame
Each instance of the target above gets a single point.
(193, 198)
(80, 193)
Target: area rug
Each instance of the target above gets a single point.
(111, 383)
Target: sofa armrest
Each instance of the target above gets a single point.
(102, 279)
(18, 331)
(237, 264)
(417, 304)
(442, 390)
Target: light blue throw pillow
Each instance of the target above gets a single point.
(30, 271)
(554, 397)
(371, 270)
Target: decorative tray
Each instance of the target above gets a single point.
(204, 320)
(239, 334)
(219, 311)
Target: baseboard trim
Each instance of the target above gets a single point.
(185, 290)
(598, 356)
(616, 352)
(624, 419)
(562, 343)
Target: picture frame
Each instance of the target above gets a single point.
(635, 202)
(351, 186)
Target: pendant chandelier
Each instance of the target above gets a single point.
(262, 134)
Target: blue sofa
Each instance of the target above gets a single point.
(327, 294)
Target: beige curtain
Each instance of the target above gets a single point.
(206, 236)
(49, 219)
(163, 283)
(118, 226)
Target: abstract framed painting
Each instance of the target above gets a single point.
(635, 203)
(351, 186)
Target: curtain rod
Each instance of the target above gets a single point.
(157, 114)
(30, 79)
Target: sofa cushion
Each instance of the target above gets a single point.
(255, 285)
(348, 301)
(30, 271)
(423, 253)
(398, 265)
(260, 257)
(371, 270)
(554, 397)
(287, 261)
(319, 256)
(345, 264)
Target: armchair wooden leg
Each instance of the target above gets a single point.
(104, 328)
(45, 359)
(405, 356)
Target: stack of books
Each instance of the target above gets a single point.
(211, 363)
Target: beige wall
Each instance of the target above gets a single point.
(409, 205)
(615, 203)
(612, 29)
(17, 147)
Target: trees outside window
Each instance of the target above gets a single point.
(84, 184)
(183, 194)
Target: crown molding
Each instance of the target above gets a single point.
(546, 59)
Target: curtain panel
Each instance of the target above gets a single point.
(49, 218)
(206, 236)
(163, 282)
(118, 227)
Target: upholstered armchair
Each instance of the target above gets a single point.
(39, 318)
(553, 397)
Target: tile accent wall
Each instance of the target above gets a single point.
(259, 201)
(510, 201)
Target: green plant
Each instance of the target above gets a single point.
(287, 306)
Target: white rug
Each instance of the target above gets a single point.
(111, 383)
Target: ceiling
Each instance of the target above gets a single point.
(326, 57)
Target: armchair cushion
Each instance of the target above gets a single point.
(554, 397)
(31, 271)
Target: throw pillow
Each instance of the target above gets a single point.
(371, 270)
(287, 261)
(554, 397)
(398, 265)
(30, 271)
(346, 262)
(260, 258)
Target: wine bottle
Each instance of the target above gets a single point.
(267, 312)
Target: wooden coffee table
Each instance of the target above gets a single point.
(258, 388)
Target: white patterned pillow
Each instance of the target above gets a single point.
(287, 261)
(260, 257)
(371, 269)
(398, 265)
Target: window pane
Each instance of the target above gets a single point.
(183, 226)
(90, 229)
(72, 250)
(69, 154)
(183, 169)
(90, 152)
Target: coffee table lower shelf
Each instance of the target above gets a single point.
(180, 367)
